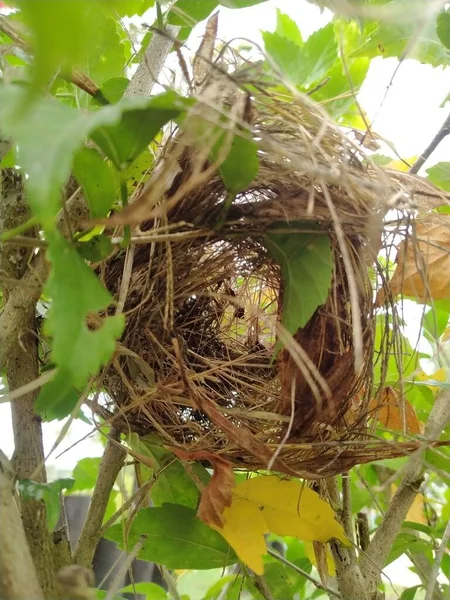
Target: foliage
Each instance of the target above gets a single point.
(106, 143)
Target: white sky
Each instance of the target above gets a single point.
(409, 118)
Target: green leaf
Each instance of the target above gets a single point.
(288, 28)
(284, 52)
(190, 12)
(64, 130)
(319, 55)
(175, 485)
(95, 249)
(48, 492)
(63, 398)
(398, 365)
(240, 3)
(129, 8)
(306, 264)
(440, 175)
(436, 319)
(282, 581)
(407, 542)
(125, 140)
(85, 474)
(97, 180)
(151, 591)
(56, 33)
(234, 585)
(443, 28)
(391, 39)
(175, 538)
(241, 165)
(338, 94)
(303, 64)
(78, 352)
(107, 58)
(113, 89)
(444, 101)
(410, 593)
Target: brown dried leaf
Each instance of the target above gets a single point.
(423, 262)
(388, 408)
(217, 494)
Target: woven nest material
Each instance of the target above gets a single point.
(196, 362)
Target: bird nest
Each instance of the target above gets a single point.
(199, 362)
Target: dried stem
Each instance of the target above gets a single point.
(110, 465)
(18, 578)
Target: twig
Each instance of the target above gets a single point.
(171, 583)
(306, 575)
(372, 561)
(437, 563)
(27, 387)
(18, 578)
(443, 132)
(262, 587)
(115, 584)
(136, 497)
(110, 465)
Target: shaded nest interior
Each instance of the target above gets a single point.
(196, 364)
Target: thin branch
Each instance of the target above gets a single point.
(437, 563)
(118, 577)
(18, 578)
(306, 575)
(110, 465)
(347, 519)
(373, 560)
(443, 132)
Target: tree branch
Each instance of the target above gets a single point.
(372, 561)
(111, 463)
(152, 63)
(18, 578)
(22, 367)
(443, 132)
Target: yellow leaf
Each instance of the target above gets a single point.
(268, 504)
(446, 335)
(401, 165)
(416, 513)
(439, 375)
(309, 551)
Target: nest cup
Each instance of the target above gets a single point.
(196, 363)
